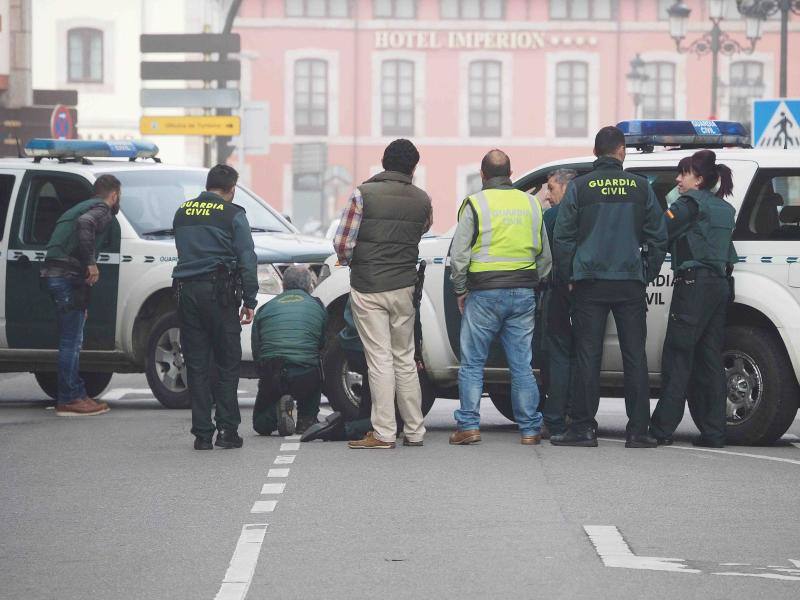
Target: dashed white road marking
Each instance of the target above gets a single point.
(615, 552)
(290, 447)
(762, 575)
(243, 564)
(118, 393)
(292, 437)
(285, 460)
(278, 473)
(273, 488)
(717, 451)
(264, 506)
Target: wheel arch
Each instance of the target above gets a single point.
(157, 304)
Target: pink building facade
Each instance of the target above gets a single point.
(337, 80)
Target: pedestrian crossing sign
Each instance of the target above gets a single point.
(776, 123)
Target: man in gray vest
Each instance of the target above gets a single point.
(378, 237)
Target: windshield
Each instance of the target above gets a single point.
(150, 199)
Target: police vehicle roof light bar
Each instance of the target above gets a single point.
(66, 150)
(644, 135)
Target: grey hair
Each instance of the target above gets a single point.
(299, 277)
(562, 176)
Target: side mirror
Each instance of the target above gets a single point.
(287, 217)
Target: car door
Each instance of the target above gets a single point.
(9, 185)
(30, 316)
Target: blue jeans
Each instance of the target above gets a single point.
(70, 333)
(510, 313)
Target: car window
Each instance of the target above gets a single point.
(662, 180)
(771, 209)
(49, 196)
(150, 198)
(6, 187)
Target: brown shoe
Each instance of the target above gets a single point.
(531, 440)
(80, 408)
(408, 442)
(100, 403)
(370, 442)
(463, 438)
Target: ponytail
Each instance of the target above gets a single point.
(725, 181)
(715, 176)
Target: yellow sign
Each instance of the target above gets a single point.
(210, 125)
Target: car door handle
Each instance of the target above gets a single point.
(24, 261)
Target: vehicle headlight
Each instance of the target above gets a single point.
(269, 280)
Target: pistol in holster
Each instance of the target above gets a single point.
(228, 285)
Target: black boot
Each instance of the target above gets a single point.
(229, 438)
(329, 430)
(586, 438)
(286, 424)
(201, 443)
(640, 440)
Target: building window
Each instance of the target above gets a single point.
(663, 7)
(572, 99)
(85, 52)
(311, 97)
(746, 85)
(394, 9)
(484, 98)
(397, 97)
(472, 9)
(474, 183)
(317, 8)
(658, 91)
(583, 10)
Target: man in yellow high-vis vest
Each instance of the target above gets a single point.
(499, 253)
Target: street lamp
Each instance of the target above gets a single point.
(756, 11)
(712, 42)
(636, 78)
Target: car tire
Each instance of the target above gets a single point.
(95, 382)
(502, 402)
(164, 366)
(343, 386)
(761, 387)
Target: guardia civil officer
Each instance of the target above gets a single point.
(700, 225)
(216, 269)
(499, 253)
(606, 221)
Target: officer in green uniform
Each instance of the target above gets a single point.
(288, 334)
(216, 269)
(610, 240)
(700, 225)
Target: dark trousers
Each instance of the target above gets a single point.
(303, 383)
(210, 334)
(593, 300)
(692, 359)
(560, 356)
(358, 427)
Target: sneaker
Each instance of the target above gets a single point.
(304, 422)
(286, 425)
(82, 407)
(201, 443)
(370, 442)
(331, 429)
(229, 438)
(464, 438)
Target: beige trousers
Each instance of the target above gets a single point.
(385, 323)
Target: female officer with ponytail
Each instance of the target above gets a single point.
(700, 226)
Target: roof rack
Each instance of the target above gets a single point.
(83, 150)
(646, 134)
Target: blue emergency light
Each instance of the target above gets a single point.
(646, 134)
(39, 148)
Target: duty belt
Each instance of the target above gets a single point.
(692, 274)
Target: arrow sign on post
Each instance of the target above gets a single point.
(204, 125)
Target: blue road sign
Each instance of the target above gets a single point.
(776, 123)
(61, 125)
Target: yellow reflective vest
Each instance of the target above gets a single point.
(509, 225)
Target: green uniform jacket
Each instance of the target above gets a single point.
(605, 218)
(210, 232)
(290, 326)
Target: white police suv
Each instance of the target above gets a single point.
(762, 346)
(132, 325)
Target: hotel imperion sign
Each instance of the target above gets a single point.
(474, 40)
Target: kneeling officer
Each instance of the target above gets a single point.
(216, 269)
(288, 334)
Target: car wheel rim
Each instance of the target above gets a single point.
(352, 384)
(745, 386)
(170, 366)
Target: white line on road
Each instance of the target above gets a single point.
(273, 488)
(763, 575)
(264, 506)
(118, 393)
(243, 564)
(285, 460)
(796, 563)
(615, 552)
(278, 473)
(292, 437)
(290, 447)
(795, 444)
(715, 451)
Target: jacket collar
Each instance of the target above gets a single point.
(607, 162)
(390, 176)
(206, 195)
(498, 183)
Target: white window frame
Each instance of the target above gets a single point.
(413, 56)
(679, 60)
(462, 172)
(506, 61)
(592, 60)
(290, 59)
(106, 86)
(767, 61)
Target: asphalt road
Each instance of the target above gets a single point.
(120, 506)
